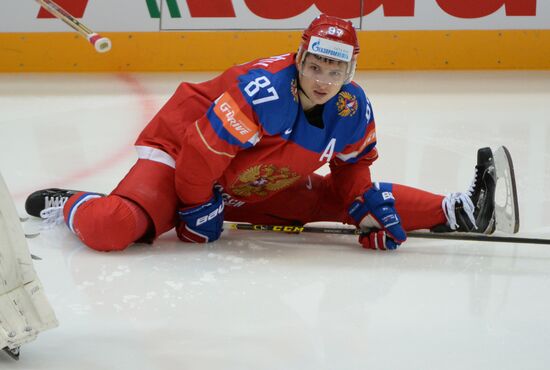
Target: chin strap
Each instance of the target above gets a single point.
(300, 87)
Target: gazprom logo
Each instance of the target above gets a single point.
(330, 49)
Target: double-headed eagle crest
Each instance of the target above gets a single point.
(263, 179)
(346, 104)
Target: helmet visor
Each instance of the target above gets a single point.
(324, 70)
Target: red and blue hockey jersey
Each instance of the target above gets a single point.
(247, 132)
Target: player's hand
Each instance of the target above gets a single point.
(374, 212)
(378, 239)
(202, 223)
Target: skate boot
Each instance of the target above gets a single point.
(48, 205)
(40, 200)
(474, 210)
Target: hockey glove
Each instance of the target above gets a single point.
(374, 212)
(377, 240)
(202, 223)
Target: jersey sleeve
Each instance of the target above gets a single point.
(252, 107)
(269, 96)
(350, 169)
(211, 142)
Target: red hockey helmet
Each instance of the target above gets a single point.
(333, 38)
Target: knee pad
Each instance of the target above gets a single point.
(105, 223)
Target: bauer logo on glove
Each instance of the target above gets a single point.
(374, 212)
(210, 216)
(202, 223)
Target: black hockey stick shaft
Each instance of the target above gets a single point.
(412, 234)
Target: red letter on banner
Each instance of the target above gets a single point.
(211, 8)
(75, 8)
(283, 9)
(392, 8)
(482, 8)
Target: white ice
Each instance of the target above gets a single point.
(272, 301)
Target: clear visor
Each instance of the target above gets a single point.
(324, 70)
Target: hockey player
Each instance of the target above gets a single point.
(244, 147)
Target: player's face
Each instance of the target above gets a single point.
(321, 78)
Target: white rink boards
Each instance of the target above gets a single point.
(271, 301)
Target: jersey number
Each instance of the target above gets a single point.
(259, 83)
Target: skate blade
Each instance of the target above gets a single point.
(506, 198)
(13, 353)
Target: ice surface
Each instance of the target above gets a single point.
(274, 301)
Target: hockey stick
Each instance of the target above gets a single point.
(101, 44)
(412, 234)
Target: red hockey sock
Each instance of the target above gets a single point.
(417, 208)
(105, 223)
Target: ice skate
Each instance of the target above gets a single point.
(40, 200)
(47, 198)
(48, 205)
(476, 210)
(473, 210)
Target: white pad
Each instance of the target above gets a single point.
(24, 308)
(506, 198)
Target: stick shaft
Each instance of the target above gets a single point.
(413, 234)
(66, 17)
(100, 43)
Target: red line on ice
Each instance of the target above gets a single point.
(148, 108)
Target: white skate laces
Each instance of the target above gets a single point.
(51, 217)
(449, 207)
(470, 190)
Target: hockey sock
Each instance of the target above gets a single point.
(105, 223)
(417, 208)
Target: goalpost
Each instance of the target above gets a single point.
(24, 308)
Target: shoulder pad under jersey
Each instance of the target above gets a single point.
(273, 64)
(349, 113)
(273, 96)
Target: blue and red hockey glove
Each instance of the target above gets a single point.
(202, 223)
(374, 212)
